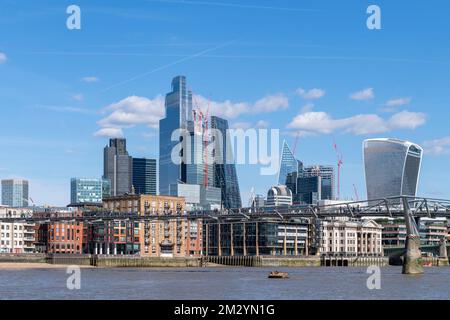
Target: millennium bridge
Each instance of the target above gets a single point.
(411, 209)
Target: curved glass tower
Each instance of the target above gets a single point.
(392, 167)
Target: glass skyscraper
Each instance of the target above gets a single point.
(144, 176)
(327, 179)
(392, 167)
(288, 164)
(84, 190)
(225, 176)
(15, 193)
(118, 167)
(178, 107)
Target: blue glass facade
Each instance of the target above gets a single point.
(15, 193)
(144, 176)
(225, 176)
(288, 164)
(83, 190)
(178, 108)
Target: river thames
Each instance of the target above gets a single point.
(223, 283)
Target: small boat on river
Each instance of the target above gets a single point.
(278, 275)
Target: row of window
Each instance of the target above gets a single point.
(16, 227)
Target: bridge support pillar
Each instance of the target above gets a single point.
(443, 255)
(412, 260)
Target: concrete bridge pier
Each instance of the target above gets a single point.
(443, 255)
(412, 262)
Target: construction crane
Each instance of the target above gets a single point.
(252, 198)
(201, 123)
(339, 165)
(205, 147)
(356, 192)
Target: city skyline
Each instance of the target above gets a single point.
(84, 86)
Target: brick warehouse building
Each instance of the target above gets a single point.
(59, 236)
(65, 237)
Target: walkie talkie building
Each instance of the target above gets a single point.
(392, 167)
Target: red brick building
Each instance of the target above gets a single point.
(64, 237)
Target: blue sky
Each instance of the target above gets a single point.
(63, 91)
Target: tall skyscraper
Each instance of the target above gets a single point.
(288, 164)
(327, 179)
(15, 193)
(181, 162)
(198, 165)
(118, 167)
(178, 107)
(144, 176)
(309, 190)
(84, 190)
(392, 167)
(225, 176)
(311, 184)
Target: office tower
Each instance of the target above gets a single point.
(15, 193)
(279, 196)
(198, 164)
(118, 167)
(182, 162)
(327, 181)
(225, 176)
(288, 164)
(84, 190)
(309, 190)
(178, 110)
(392, 167)
(144, 176)
(106, 188)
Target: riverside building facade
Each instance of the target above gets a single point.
(349, 237)
(256, 237)
(178, 235)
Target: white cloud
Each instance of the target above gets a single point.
(365, 94)
(391, 105)
(78, 97)
(398, 102)
(109, 133)
(271, 103)
(3, 57)
(438, 146)
(133, 111)
(323, 123)
(90, 79)
(231, 110)
(407, 120)
(310, 94)
(225, 109)
(261, 124)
